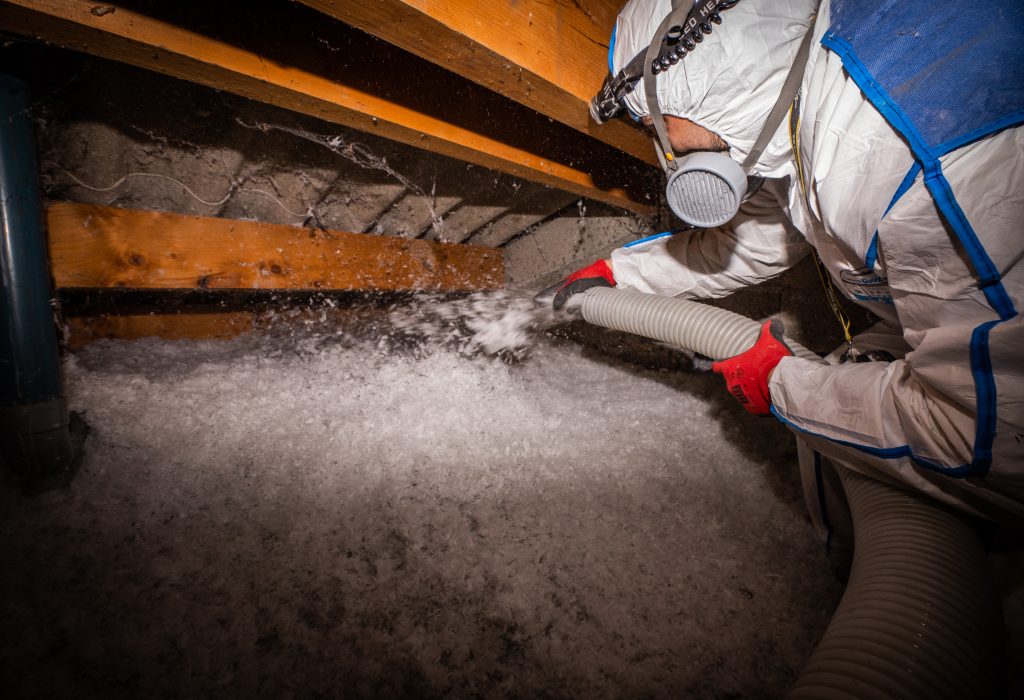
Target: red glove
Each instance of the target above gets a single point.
(599, 274)
(746, 374)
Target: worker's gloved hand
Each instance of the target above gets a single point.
(598, 274)
(746, 374)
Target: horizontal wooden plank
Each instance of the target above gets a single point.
(289, 70)
(82, 330)
(549, 56)
(106, 247)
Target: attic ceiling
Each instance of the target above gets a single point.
(118, 134)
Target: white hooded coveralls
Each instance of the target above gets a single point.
(911, 421)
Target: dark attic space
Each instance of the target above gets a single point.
(370, 350)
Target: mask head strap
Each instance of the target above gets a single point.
(661, 141)
(782, 105)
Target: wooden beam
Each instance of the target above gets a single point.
(289, 70)
(82, 330)
(548, 56)
(105, 247)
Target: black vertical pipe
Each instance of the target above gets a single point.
(29, 345)
(36, 437)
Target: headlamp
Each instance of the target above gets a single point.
(676, 41)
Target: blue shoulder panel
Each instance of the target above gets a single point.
(956, 68)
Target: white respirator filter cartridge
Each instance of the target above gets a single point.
(706, 189)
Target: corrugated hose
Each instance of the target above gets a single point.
(920, 617)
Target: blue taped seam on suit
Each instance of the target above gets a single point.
(960, 472)
(611, 49)
(1015, 119)
(981, 369)
(648, 239)
(873, 300)
(942, 194)
(872, 255)
(908, 181)
(989, 277)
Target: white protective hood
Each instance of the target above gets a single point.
(729, 83)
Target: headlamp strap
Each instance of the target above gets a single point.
(673, 42)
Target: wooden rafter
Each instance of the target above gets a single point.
(99, 247)
(82, 330)
(291, 71)
(548, 56)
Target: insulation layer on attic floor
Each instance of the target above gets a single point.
(285, 55)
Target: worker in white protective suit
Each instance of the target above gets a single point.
(943, 411)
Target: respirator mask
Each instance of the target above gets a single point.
(705, 188)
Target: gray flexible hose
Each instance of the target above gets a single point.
(920, 616)
(713, 332)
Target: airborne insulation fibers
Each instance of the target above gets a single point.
(340, 514)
